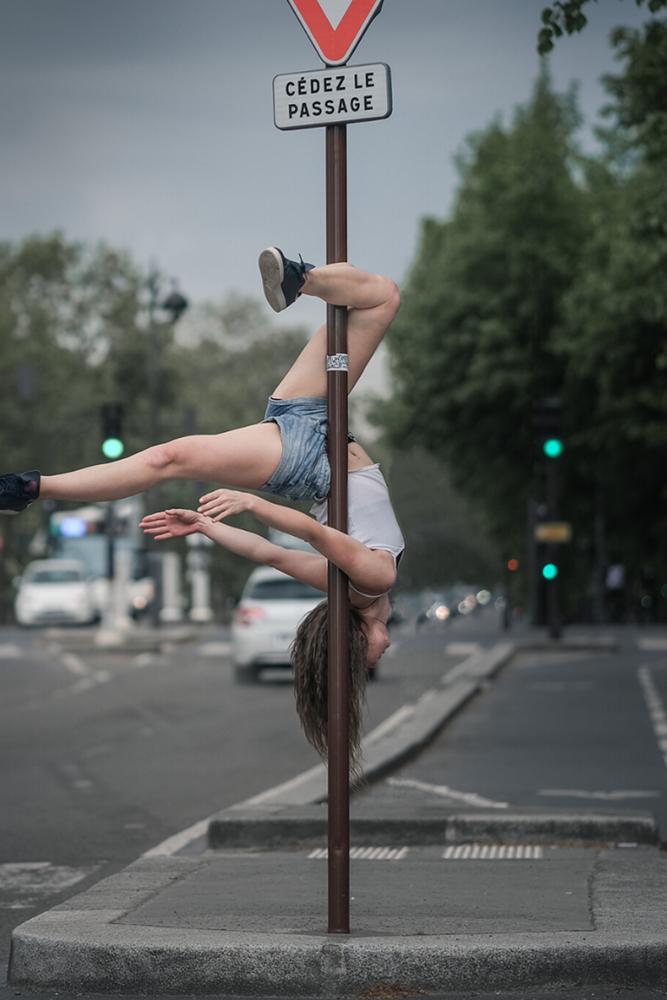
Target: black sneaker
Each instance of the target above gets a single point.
(18, 490)
(282, 278)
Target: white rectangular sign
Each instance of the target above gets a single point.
(332, 96)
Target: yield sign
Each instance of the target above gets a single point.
(335, 26)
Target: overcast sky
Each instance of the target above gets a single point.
(149, 124)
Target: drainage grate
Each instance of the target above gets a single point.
(470, 852)
(367, 853)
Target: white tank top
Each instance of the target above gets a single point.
(370, 516)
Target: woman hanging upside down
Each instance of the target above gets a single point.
(284, 454)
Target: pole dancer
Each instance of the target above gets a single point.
(285, 454)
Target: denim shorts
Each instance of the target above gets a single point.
(303, 471)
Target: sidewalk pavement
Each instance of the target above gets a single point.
(442, 899)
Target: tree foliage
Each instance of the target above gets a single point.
(472, 348)
(548, 280)
(74, 332)
(568, 17)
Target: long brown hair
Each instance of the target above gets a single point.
(309, 651)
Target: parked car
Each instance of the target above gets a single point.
(265, 621)
(55, 591)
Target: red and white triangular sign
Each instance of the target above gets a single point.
(335, 26)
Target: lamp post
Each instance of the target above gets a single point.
(174, 305)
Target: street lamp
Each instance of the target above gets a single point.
(174, 305)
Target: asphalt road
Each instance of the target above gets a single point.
(104, 755)
(566, 730)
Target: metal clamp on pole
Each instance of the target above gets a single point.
(338, 362)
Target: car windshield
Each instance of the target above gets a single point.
(281, 590)
(54, 576)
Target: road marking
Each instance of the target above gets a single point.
(9, 651)
(75, 664)
(23, 884)
(579, 793)
(366, 853)
(656, 709)
(214, 649)
(470, 798)
(491, 852)
(461, 648)
(88, 682)
(400, 715)
(652, 644)
(568, 686)
(144, 659)
(172, 845)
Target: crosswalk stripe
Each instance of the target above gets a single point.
(365, 853)
(491, 852)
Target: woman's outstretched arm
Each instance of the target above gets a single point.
(176, 523)
(369, 570)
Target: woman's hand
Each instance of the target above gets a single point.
(224, 503)
(173, 523)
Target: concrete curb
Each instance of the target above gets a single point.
(308, 826)
(82, 945)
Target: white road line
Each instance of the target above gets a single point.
(172, 845)
(400, 715)
(461, 648)
(24, 883)
(655, 707)
(214, 649)
(580, 793)
(75, 664)
(9, 651)
(88, 682)
(144, 659)
(286, 786)
(470, 798)
(652, 644)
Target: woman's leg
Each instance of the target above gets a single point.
(244, 458)
(372, 301)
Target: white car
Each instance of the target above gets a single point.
(55, 591)
(266, 619)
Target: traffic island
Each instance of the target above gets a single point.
(254, 923)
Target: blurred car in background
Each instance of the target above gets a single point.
(55, 591)
(265, 621)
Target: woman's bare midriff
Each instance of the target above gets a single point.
(357, 457)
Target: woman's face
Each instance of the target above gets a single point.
(378, 639)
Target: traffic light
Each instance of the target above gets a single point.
(549, 571)
(548, 421)
(553, 447)
(112, 445)
(512, 565)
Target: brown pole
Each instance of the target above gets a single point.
(338, 687)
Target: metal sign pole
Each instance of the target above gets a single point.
(338, 684)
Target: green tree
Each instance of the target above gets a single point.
(74, 332)
(473, 346)
(614, 334)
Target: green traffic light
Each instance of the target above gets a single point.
(553, 448)
(112, 448)
(550, 571)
